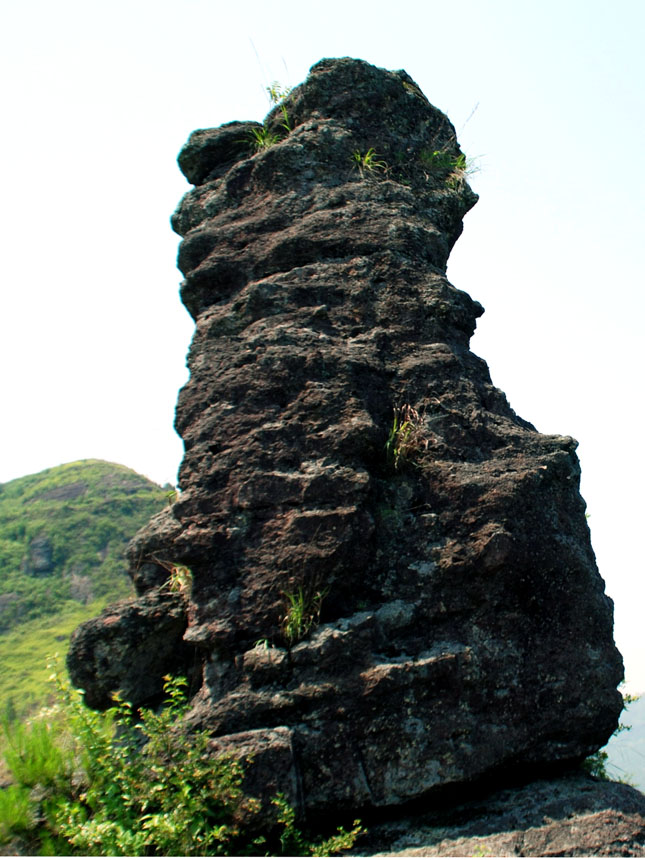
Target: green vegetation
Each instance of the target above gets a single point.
(139, 784)
(452, 168)
(277, 92)
(442, 160)
(286, 122)
(368, 162)
(405, 440)
(598, 764)
(62, 536)
(181, 577)
(263, 138)
(303, 613)
(24, 650)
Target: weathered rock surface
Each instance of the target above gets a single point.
(573, 816)
(464, 629)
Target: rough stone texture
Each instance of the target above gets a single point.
(573, 816)
(127, 646)
(464, 627)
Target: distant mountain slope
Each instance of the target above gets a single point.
(62, 536)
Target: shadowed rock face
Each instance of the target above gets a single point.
(572, 816)
(460, 625)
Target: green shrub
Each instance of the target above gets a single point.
(294, 844)
(598, 764)
(134, 783)
(151, 786)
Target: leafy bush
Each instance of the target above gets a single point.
(138, 784)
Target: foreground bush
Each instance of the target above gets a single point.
(135, 783)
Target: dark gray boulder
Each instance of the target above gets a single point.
(454, 625)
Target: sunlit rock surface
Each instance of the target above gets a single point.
(458, 623)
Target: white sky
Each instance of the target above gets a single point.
(98, 99)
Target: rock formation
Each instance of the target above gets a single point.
(393, 585)
(572, 816)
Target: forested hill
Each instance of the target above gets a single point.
(62, 536)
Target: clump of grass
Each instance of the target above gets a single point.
(16, 812)
(414, 90)
(406, 439)
(453, 168)
(368, 163)
(303, 613)
(262, 138)
(33, 752)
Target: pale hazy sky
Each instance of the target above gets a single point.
(97, 101)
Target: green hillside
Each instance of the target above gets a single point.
(62, 536)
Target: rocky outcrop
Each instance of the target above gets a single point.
(572, 816)
(393, 586)
(39, 560)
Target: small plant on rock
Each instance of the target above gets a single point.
(598, 764)
(303, 613)
(277, 92)
(263, 138)
(181, 577)
(286, 122)
(454, 168)
(406, 439)
(368, 163)
(294, 844)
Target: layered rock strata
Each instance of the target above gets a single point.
(572, 816)
(348, 458)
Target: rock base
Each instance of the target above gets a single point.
(571, 816)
